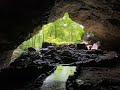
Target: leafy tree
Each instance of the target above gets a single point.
(62, 31)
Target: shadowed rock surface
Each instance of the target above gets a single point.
(100, 17)
(97, 69)
(30, 69)
(20, 20)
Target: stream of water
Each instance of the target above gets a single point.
(57, 80)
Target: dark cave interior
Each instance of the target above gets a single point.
(97, 69)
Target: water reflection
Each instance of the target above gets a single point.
(57, 80)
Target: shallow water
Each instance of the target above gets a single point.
(57, 80)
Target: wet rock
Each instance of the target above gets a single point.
(44, 50)
(24, 70)
(51, 47)
(30, 49)
(36, 85)
(66, 59)
(109, 55)
(67, 53)
(81, 46)
(46, 44)
(57, 59)
(38, 61)
(34, 63)
(95, 78)
(98, 51)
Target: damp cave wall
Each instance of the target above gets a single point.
(20, 18)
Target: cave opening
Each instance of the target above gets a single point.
(52, 60)
(62, 31)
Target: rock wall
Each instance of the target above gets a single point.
(19, 18)
(101, 17)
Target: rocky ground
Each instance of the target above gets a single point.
(102, 75)
(96, 69)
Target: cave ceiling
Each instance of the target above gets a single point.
(20, 18)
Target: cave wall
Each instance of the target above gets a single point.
(19, 18)
(101, 17)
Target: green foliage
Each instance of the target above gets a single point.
(62, 31)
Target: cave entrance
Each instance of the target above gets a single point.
(62, 31)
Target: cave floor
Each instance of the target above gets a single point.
(95, 69)
(98, 78)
